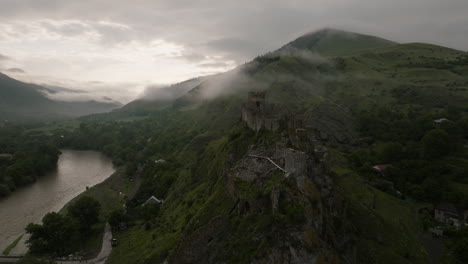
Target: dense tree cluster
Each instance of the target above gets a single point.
(425, 156)
(457, 247)
(33, 155)
(59, 234)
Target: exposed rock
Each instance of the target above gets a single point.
(331, 123)
(286, 183)
(257, 114)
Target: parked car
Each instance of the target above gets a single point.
(114, 242)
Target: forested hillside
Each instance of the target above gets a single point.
(24, 158)
(306, 191)
(27, 103)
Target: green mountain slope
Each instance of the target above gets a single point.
(225, 202)
(26, 102)
(332, 42)
(157, 98)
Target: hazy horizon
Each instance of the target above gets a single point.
(117, 48)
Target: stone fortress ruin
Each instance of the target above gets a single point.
(299, 142)
(257, 114)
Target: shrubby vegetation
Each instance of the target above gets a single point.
(33, 155)
(59, 235)
(457, 247)
(425, 157)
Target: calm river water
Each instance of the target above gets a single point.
(75, 171)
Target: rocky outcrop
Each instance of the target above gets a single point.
(306, 183)
(285, 184)
(331, 123)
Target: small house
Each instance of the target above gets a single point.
(439, 121)
(152, 200)
(6, 156)
(380, 168)
(450, 214)
(436, 231)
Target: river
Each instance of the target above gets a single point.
(75, 170)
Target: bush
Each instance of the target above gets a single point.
(56, 235)
(86, 211)
(436, 144)
(4, 190)
(294, 213)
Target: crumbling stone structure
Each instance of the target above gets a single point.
(257, 114)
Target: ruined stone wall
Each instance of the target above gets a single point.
(254, 118)
(272, 123)
(256, 98)
(257, 114)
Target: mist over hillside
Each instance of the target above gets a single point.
(20, 102)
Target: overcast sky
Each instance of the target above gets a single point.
(117, 47)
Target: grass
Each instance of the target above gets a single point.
(194, 199)
(12, 246)
(111, 194)
(68, 125)
(388, 228)
(92, 245)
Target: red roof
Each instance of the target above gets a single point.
(381, 167)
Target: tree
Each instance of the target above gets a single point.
(458, 247)
(391, 152)
(116, 217)
(149, 211)
(56, 235)
(436, 144)
(4, 190)
(86, 211)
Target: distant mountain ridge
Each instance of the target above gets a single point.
(21, 102)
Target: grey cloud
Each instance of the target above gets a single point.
(109, 33)
(191, 56)
(118, 92)
(15, 70)
(68, 29)
(214, 65)
(115, 34)
(241, 29)
(214, 32)
(4, 58)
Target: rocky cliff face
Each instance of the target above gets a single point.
(331, 123)
(285, 207)
(282, 198)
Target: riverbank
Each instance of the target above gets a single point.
(76, 170)
(112, 195)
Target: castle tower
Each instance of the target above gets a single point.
(257, 100)
(253, 111)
